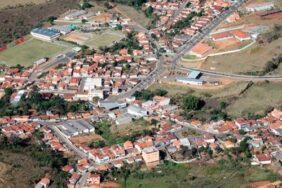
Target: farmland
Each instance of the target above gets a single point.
(27, 53)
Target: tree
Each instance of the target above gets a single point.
(160, 92)
(149, 12)
(191, 102)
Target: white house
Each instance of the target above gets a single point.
(137, 111)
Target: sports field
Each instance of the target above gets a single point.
(96, 39)
(29, 52)
(104, 38)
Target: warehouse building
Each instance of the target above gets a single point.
(45, 34)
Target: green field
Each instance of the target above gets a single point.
(167, 176)
(29, 52)
(104, 38)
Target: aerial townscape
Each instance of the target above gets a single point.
(141, 93)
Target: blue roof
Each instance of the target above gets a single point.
(46, 32)
(194, 74)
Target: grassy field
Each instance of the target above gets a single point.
(104, 38)
(5, 3)
(27, 53)
(199, 176)
(233, 89)
(130, 12)
(252, 59)
(257, 99)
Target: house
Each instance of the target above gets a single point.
(240, 35)
(200, 50)
(93, 179)
(151, 155)
(261, 159)
(74, 178)
(43, 183)
(234, 17)
(221, 36)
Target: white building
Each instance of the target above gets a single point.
(92, 83)
(45, 34)
(137, 111)
(190, 81)
(255, 7)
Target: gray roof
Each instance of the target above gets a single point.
(194, 74)
(46, 32)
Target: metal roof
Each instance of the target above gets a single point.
(46, 32)
(194, 74)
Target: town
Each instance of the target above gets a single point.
(96, 94)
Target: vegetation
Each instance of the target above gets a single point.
(43, 156)
(135, 3)
(36, 101)
(272, 35)
(226, 173)
(148, 95)
(129, 43)
(103, 129)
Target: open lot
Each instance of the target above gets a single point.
(28, 52)
(249, 60)
(85, 139)
(135, 15)
(95, 39)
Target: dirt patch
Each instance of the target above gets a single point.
(85, 139)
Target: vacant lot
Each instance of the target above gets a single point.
(249, 60)
(257, 99)
(27, 53)
(85, 139)
(135, 15)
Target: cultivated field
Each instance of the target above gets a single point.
(29, 52)
(251, 59)
(6, 3)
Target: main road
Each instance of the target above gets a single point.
(232, 75)
(160, 69)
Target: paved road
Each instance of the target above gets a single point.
(159, 70)
(232, 75)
